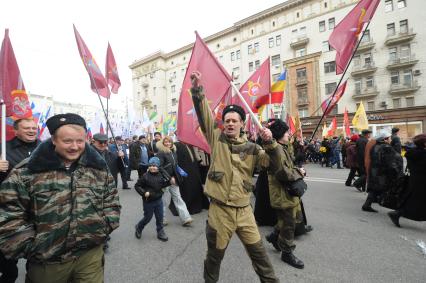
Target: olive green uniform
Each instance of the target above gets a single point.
(229, 185)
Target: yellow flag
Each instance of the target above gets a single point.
(360, 120)
(298, 126)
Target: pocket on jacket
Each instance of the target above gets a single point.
(249, 187)
(216, 176)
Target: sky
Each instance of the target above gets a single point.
(42, 36)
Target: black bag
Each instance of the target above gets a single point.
(297, 188)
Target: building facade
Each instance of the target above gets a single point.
(387, 73)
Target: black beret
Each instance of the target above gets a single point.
(278, 128)
(57, 121)
(234, 108)
(100, 137)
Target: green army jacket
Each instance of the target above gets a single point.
(49, 214)
(281, 170)
(229, 180)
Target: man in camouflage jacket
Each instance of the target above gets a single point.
(58, 207)
(229, 186)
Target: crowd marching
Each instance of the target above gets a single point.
(59, 200)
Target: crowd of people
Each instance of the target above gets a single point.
(59, 199)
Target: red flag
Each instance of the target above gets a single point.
(111, 72)
(219, 109)
(252, 128)
(215, 81)
(290, 123)
(12, 89)
(339, 93)
(97, 79)
(332, 127)
(346, 124)
(345, 35)
(257, 86)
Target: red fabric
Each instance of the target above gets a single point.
(215, 81)
(111, 72)
(290, 123)
(97, 79)
(332, 128)
(339, 93)
(345, 35)
(276, 98)
(219, 109)
(346, 124)
(256, 87)
(12, 89)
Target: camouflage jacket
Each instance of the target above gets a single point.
(49, 214)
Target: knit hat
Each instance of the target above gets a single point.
(154, 161)
(354, 137)
(234, 108)
(278, 128)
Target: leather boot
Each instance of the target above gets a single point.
(394, 216)
(273, 239)
(291, 259)
(161, 235)
(260, 261)
(367, 206)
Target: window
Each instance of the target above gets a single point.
(252, 31)
(367, 60)
(302, 92)
(232, 56)
(407, 78)
(370, 106)
(256, 47)
(235, 39)
(391, 29)
(174, 101)
(294, 33)
(257, 64)
(273, 23)
(409, 101)
(236, 71)
(302, 31)
(404, 52)
(356, 60)
(297, 14)
(366, 36)
(276, 60)
(154, 91)
(251, 67)
(218, 45)
(221, 57)
(271, 42)
(275, 77)
(250, 49)
(303, 112)
(330, 67)
(396, 102)
(325, 4)
(300, 52)
(369, 82)
(325, 46)
(403, 26)
(393, 54)
(278, 40)
(331, 23)
(402, 4)
(395, 77)
(238, 54)
(388, 6)
(174, 75)
(173, 88)
(155, 108)
(301, 73)
(322, 26)
(358, 86)
(329, 88)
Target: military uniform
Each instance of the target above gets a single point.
(58, 218)
(229, 185)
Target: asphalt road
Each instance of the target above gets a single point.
(347, 244)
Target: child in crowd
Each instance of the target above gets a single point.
(150, 187)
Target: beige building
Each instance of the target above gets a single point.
(388, 72)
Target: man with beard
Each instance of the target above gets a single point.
(17, 149)
(229, 186)
(58, 207)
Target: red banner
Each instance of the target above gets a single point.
(111, 72)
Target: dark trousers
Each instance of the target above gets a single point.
(123, 175)
(149, 209)
(142, 169)
(351, 176)
(286, 225)
(8, 269)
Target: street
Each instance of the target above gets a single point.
(346, 245)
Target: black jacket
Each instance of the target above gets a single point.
(396, 143)
(112, 160)
(16, 151)
(169, 160)
(360, 152)
(135, 154)
(152, 183)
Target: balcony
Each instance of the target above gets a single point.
(404, 88)
(299, 42)
(365, 45)
(366, 69)
(302, 101)
(365, 93)
(402, 62)
(301, 81)
(400, 37)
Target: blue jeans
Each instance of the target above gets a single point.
(149, 209)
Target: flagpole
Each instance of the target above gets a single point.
(340, 81)
(246, 105)
(107, 114)
(3, 130)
